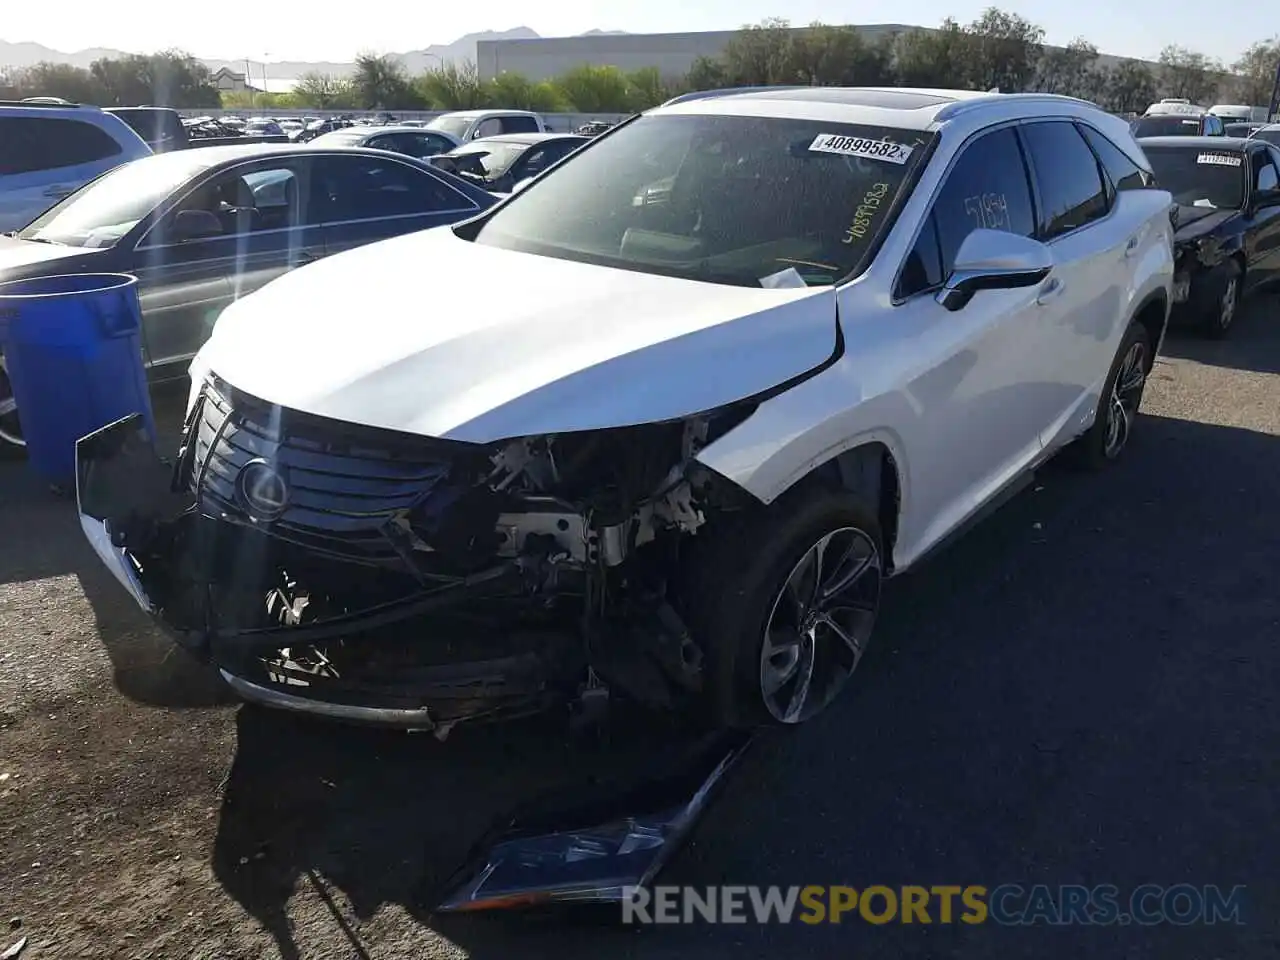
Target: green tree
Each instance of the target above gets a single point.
(380, 83)
(596, 89)
(1254, 74)
(934, 58)
(706, 73)
(324, 91)
(453, 86)
(1131, 87)
(647, 89)
(759, 54)
(170, 78)
(1005, 50)
(1068, 69)
(57, 80)
(1187, 73)
(827, 55)
(519, 92)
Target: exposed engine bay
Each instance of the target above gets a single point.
(414, 581)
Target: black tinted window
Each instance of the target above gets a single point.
(1172, 125)
(923, 267)
(1124, 173)
(361, 188)
(987, 188)
(1072, 193)
(519, 125)
(45, 143)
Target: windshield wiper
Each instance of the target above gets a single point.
(56, 243)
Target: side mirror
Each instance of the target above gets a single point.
(994, 260)
(517, 187)
(196, 225)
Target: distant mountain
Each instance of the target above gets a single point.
(19, 55)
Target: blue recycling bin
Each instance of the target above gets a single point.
(73, 348)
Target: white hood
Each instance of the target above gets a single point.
(434, 335)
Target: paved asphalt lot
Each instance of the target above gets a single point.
(1082, 690)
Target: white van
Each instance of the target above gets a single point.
(1239, 113)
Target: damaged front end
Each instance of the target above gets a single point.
(375, 576)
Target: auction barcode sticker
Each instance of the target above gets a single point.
(861, 147)
(1220, 159)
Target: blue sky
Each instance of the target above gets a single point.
(1137, 28)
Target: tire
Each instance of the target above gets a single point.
(10, 429)
(736, 585)
(1219, 309)
(1098, 446)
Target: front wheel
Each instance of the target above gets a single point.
(786, 606)
(10, 429)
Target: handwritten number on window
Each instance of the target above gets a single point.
(989, 211)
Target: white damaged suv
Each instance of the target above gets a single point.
(700, 388)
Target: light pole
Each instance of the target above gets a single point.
(248, 82)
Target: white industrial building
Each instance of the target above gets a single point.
(672, 53)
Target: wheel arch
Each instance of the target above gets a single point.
(1153, 314)
(872, 470)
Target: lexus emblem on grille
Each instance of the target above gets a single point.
(262, 491)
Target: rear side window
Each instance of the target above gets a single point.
(28, 144)
(1124, 173)
(519, 125)
(1072, 193)
(364, 188)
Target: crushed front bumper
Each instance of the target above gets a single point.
(372, 657)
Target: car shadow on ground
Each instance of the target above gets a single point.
(1252, 344)
(42, 540)
(1080, 691)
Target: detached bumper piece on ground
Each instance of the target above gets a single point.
(594, 849)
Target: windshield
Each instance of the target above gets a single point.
(1170, 126)
(339, 138)
(456, 127)
(745, 201)
(1198, 177)
(493, 160)
(102, 212)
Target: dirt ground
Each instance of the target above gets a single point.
(1083, 688)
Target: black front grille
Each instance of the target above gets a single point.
(344, 481)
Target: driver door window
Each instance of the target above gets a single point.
(988, 188)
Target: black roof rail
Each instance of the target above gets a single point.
(39, 103)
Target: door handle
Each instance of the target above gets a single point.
(1131, 247)
(1052, 288)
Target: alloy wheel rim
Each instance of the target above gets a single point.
(1126, 396)
(819, 625)
(10, 430)
(1227, 308)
